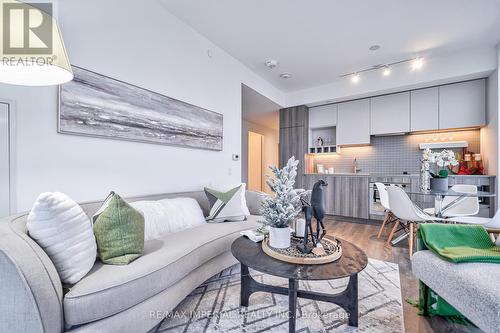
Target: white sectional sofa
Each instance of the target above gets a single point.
(111, 298)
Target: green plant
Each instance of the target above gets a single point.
(443, 173)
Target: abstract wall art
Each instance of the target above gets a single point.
(99, 106)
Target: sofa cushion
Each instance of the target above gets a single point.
(169, 215)
(472, 288)
(61, 228)
(110, 289)
(119, 231)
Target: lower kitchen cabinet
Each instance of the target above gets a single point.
(344, 195)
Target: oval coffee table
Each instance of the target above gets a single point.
(353, 261)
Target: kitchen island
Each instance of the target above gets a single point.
(353, 195)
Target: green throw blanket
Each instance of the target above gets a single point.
(456, 243)
(459, 243)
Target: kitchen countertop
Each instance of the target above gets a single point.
(378, 174)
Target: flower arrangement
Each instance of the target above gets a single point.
(280, 210)
(442, 160)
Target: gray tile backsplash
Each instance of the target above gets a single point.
(393, 154)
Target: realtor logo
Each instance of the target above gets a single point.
(27, 28)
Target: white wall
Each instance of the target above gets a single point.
(141, 43)
(440, 69)
(269, 150)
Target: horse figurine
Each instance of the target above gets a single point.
(315, 209)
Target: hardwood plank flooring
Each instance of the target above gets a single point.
(364, 235)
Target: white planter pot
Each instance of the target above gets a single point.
(279, 238)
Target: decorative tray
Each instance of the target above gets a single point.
(332, 251)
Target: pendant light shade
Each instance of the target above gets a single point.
(32, 48)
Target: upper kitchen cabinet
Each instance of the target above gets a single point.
(353, 123)
(390, 114)
(462, 104)
(424, 109)
(294, 116)
(323, 116)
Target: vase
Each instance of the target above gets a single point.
(424, 176)
(279, 238)
(439, 184)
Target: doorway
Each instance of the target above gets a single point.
(5, 185)
(255, 143)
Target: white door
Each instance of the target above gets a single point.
(4, 161)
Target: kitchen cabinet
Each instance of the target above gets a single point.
(351, 194)
(345, 195)
(323, 116)
(390, 114)
(353, 123)
(462, 104)
(328, 194)
(294, 116)
(293, 141)
(424, 109)
(294, 127)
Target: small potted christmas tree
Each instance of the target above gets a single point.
(279, 211)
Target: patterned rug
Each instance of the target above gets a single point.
(214, 306)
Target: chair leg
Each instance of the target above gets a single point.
(410, 238)
(387, 216)
(396, 225)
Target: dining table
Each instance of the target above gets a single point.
(439, 209)
(458, 197)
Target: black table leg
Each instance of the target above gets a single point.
(246, 286)
(352, 306)
(293, 286)
(347, 299)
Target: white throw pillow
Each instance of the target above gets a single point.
(225, 206)
(183, 213)
(155, 219)
(242, 194)
(169, 215)
(64, 231)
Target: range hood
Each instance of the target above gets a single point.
(444, 144)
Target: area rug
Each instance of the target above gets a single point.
(214, 306)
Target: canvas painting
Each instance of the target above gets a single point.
(96, 105)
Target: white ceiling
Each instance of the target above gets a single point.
(259, 109)
(317, 40)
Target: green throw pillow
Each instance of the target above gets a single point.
(119, 231)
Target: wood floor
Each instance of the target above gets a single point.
(364, 235)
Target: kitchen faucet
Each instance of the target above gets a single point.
(355, 166)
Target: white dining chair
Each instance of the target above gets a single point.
(405, 210)
(467, 206)
(491, 224)
(384, 201)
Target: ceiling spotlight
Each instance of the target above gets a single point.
(355, 78)
(417, 64)
(374, 47)
(271, 63)
(386, 71)
(285, 75)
